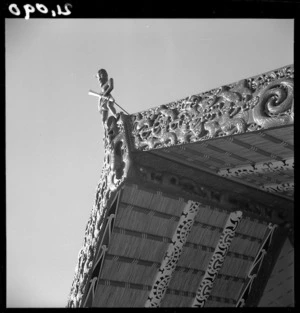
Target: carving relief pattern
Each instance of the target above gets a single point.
(251, 104)
(255, 267)
(172, 255)
(99, 258)
(217, 259)
(115, 168)
(258, 168)
(287, 188)
(269, 167)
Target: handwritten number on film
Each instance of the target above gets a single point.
(28, 8)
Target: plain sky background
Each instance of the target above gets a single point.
(54, 151)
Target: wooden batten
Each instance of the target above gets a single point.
(174, 300)
(128, 272)
(141, 222)
(226, 289)
(137, 247)
(118, 296)
(217, 304)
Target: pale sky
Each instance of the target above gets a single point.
(54, 151)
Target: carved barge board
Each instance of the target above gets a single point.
(260, 102)
(105, 236)
(217, 259)
(116, 167)
(172, 255)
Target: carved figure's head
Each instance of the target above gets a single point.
(102, 76)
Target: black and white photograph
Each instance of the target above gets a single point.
(149, 161)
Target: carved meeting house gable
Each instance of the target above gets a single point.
(252, 104)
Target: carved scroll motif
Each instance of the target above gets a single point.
(217, 259)
(256, 103)
(258, 168)
(262, 170)
(172, 255)
(286, 188)
(115, 168)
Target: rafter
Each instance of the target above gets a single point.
(173, 254)
(217, 259)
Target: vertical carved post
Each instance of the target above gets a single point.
(217, 259)
(172, 255)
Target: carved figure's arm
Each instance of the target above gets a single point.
(99, 95)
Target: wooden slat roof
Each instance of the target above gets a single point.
(142, 231)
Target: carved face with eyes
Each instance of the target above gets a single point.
(102, 77)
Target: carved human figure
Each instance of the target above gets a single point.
(105, 104)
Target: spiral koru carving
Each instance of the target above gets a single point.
(216, 262)
(204, 292)
(259, 102)
(275, 106)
